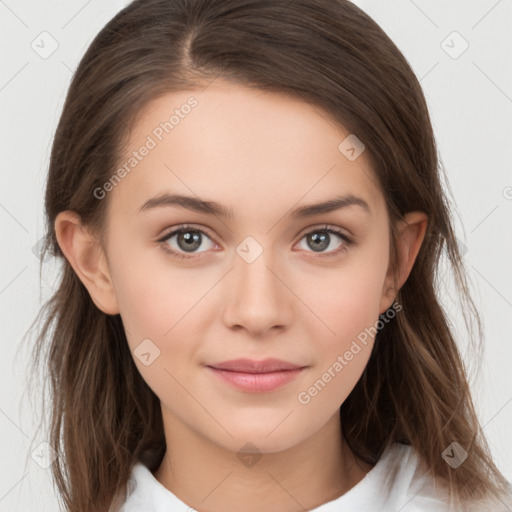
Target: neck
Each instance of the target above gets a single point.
(206, 476)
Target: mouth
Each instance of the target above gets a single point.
(256, 376)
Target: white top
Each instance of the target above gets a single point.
(396, 482)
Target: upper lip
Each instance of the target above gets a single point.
(252, 366)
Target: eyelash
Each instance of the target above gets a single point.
(325, 228)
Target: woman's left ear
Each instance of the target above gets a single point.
(411, 232)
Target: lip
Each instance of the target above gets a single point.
(256, 376)
(253, 366)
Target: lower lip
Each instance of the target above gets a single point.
(257, 382)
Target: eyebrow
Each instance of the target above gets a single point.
(213, 208)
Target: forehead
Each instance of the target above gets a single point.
(243, 147)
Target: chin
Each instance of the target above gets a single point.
(262, 440)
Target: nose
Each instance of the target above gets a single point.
(258, 298)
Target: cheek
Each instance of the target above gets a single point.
(345, 299)
(349, 312)
(157, 308)
(153, 294)
(161, 303)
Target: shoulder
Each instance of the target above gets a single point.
(145, 492)
(135, 491)
(421, 491)
(408, 485)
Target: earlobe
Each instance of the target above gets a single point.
(85, 254)
(411, 233)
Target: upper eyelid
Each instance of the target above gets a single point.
(325, 226)
(179, 228)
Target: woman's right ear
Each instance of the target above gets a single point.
(86, 255)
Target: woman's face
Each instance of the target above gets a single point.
(260, 278)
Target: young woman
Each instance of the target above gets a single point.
(247, 202)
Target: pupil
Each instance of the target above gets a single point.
(192, 242)
(319, 242)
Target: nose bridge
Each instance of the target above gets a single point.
(252, 269)
(258, 297)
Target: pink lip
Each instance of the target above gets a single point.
(252, 366)
(256, 376)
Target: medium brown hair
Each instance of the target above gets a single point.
(103, 417)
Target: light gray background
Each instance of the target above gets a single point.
(470, 99)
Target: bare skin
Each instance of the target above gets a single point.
(261, 155)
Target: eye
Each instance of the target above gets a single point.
(320, 238)
(188, 240)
